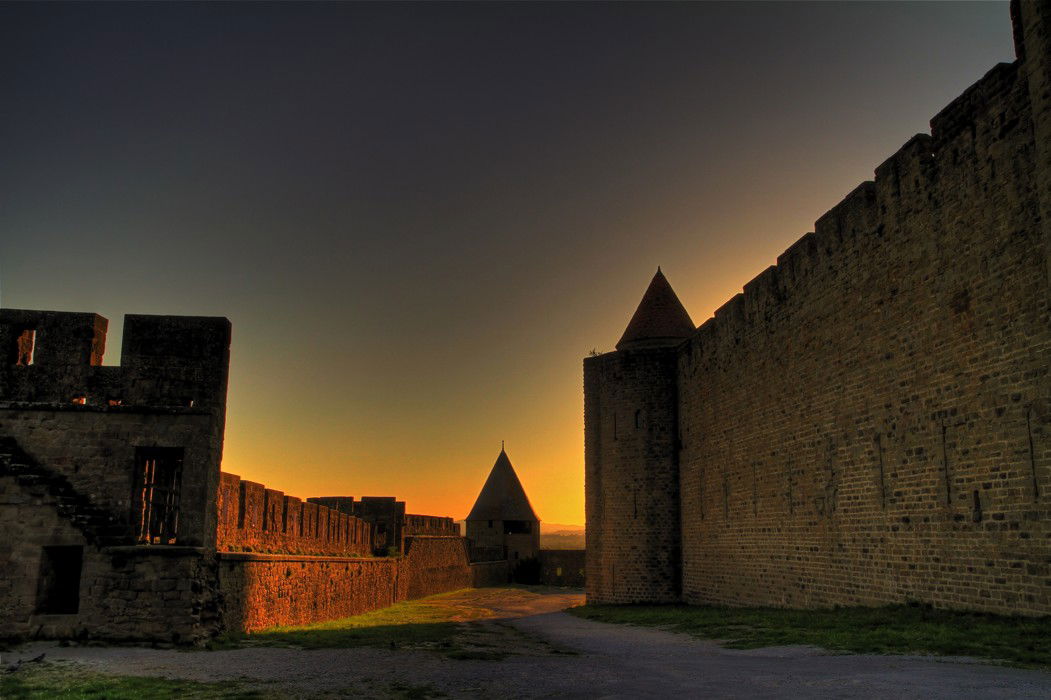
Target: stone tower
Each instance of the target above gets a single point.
(631, 456)
(502, 524)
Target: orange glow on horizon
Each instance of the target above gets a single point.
(433, 472)
(419, 244)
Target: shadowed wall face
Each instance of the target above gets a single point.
(632, 479)
(869, 422)
(150, 430)
(108, 476)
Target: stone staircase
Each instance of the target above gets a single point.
(99, 525)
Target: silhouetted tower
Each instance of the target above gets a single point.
(502, 524)
(631, 456)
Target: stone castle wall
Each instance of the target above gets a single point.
(433, 525)
(562, 567)
(434, 564)
(71, 431)
(125, 592)
(253, 518)
(265, 590)
(869, 421)
(81, 418)
(490, 573)
(285, 561)
(84, 443)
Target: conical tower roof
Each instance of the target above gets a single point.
(660, 320)
(502, 496)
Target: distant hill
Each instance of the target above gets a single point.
(555, 527)
(562, 540)
(557, 536)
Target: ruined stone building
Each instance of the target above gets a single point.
(870, 421)
(116, 522)
(502, 524)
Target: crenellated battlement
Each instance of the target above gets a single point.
(905, 184)
(55, 357)
(253, 518)
(162, 409)
(961, 114)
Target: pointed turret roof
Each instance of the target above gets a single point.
(502, 496)
(660, 319)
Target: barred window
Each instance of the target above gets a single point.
(155, 501)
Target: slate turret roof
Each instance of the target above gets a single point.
(660, 320)
(502, 496)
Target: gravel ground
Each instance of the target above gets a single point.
(566, 657)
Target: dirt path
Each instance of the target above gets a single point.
(603, 661)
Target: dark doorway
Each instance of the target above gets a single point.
(155, 499)
(58, 589)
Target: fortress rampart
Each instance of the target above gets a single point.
(264, 590)
(433, 525)
(118, 524)
(869, 421)
(253, 518)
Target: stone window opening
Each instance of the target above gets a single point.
(490, 523)
(638, 411)
(58, 588)
(517, 527)
(25, 347)
(155, 502)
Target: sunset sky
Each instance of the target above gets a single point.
(420, 218)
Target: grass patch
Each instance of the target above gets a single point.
(435, 623)
(904, 629)
(49, 681)
(425, 623)
(349, 632)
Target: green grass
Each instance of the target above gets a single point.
(904, 629)
(333, 635)
(463, 625)
(62, 680)
(76, 683)
(432, 623)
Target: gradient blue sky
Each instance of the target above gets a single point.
(419, 218)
